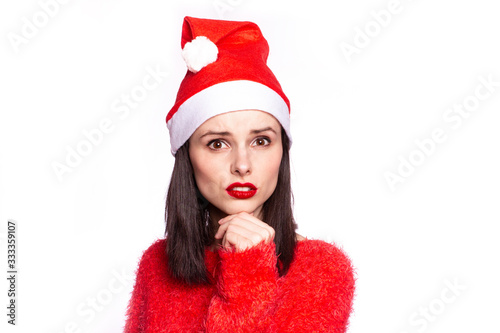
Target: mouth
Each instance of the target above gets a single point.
(241, 191)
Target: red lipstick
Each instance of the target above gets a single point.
(241, 191)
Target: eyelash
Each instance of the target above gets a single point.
(264, 138)
(259, 138)
(212, 142)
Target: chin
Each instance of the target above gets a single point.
(239, 207)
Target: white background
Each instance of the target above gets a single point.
(352, 122)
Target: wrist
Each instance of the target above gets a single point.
(252, 269)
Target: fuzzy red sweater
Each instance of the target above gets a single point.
(246, 293)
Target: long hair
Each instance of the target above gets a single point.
(188, 231)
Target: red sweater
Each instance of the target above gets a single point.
(246, 293)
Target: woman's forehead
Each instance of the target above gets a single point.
(242, 120)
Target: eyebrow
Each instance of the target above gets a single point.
(225, 133)
(269, 128)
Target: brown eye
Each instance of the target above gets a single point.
(216, 144)
(262, 142)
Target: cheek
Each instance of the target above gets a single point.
(198, 170)
(271, 166)
(201, 174)
(205, 174)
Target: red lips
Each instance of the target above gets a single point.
(235, 191)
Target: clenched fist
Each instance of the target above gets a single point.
(242, 231)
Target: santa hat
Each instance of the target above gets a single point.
(227, 71)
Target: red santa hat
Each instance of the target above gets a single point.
(227, 71)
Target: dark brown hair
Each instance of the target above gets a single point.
(188, 230)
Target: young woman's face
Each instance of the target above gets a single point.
(237, 147)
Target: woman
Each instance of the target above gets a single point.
(231, 260)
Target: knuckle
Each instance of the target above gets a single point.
(256, 238)
(265, 234)
(241, 214)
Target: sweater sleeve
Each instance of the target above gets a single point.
(318, 292)
(246, 293)
(135, 306)
(136, 317)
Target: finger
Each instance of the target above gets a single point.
(237, 240)
(248, 221)
(233, 222)
(245, 216)
(254, 224)
(232, 216)
(228, 218)
(221, 231)
(253, 219)
(235, 228)
(261, 225)
(246, 232)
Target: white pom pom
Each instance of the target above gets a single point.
(198, 53)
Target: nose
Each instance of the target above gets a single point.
(241, 164)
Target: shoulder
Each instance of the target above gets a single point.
(155, 251)
(322, 259)
(319, 250)
(153, 260)
(320, 278)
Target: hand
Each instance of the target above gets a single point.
(243, 231)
